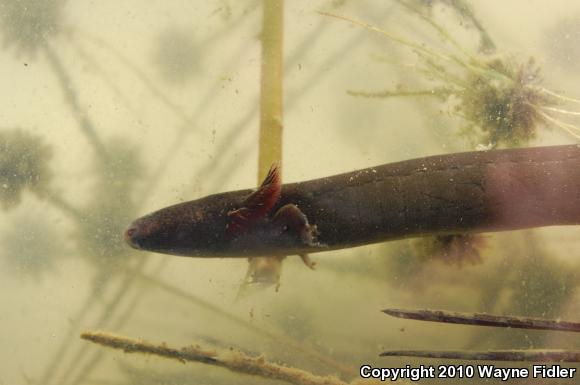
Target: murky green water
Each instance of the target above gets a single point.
(110, 110)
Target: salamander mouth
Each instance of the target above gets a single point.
(132, 237)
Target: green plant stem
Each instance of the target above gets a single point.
(475, 66)
(314, 78)
(271, 105)
(393, 37)
(271, 91)
(243, 124)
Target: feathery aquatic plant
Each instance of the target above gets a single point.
(24, 162)
(27, 24)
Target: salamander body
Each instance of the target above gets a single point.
(481, 191)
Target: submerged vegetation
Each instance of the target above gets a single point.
(454, 249)
(507, 110)
(24, 165)
(499, 100)
(27, 25)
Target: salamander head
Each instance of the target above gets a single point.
(195, 228)
(232, 224)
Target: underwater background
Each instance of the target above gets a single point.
(110, 110)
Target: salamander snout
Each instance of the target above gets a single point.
(132, 236)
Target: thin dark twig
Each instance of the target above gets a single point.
(482, 319)
(532, 355)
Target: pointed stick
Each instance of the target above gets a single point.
(235, 361)
(532, 355)
(482, 319)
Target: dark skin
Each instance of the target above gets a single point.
(481, 191)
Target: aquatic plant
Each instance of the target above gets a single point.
(268, 269)
(501, 100)
(453, 249)
(28, 24)
(463, 9)
(506, 112)
(24, 165)
(82, 365)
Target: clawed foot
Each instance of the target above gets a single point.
(291, 219)
(309, 236)
(308, 262)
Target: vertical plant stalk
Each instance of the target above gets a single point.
(271, 92)
(271, 117)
